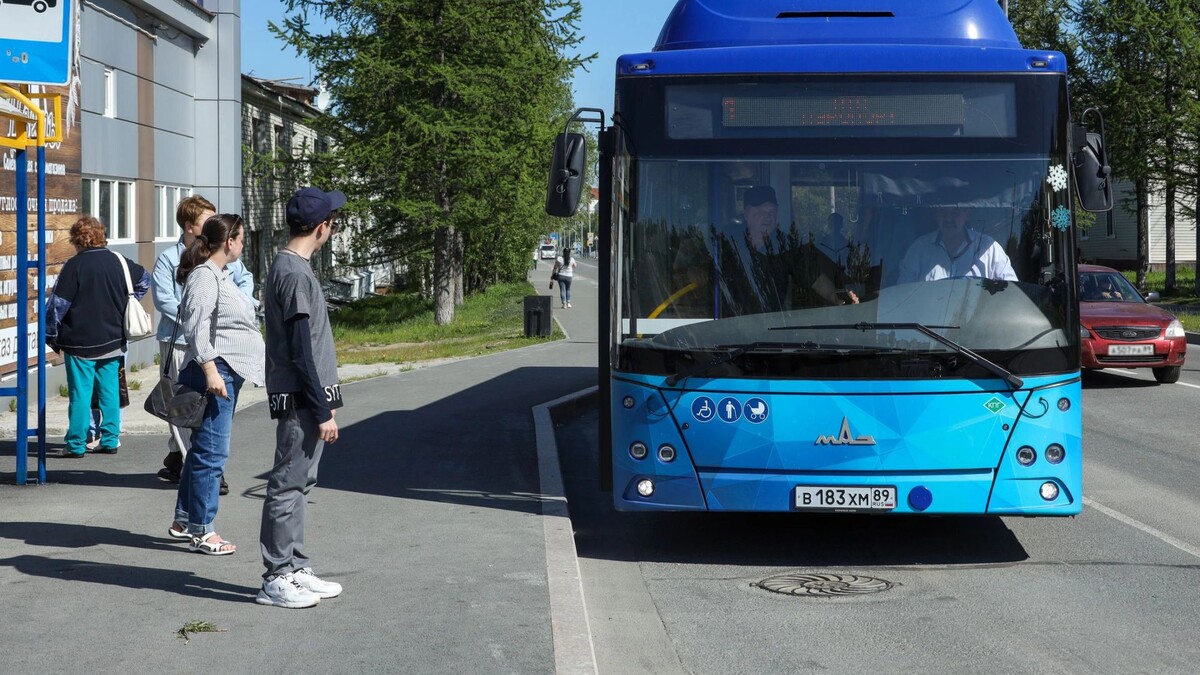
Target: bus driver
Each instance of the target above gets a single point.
(955, 250)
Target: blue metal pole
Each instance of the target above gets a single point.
(21, 339)
(41, 304)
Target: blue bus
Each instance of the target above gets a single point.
(841, 267)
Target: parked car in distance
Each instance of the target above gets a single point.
(1120, 329)
(548, 251)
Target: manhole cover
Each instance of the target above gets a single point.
(825, 585)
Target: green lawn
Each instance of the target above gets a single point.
(1185, 285)
(1183, 302)
(399, 327)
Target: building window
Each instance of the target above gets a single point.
(283, 152)
(112, 202)
(110, 93)
(1109, 230)
(166, 201)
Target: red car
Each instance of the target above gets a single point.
(1120, 329)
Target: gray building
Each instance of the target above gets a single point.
(278, 142)
(160, 84)
(1112, 240)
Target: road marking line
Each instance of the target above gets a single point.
(1185, 384)
(1132, 522)
(574, 651)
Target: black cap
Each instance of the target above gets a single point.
(759, 194)
(311, 206)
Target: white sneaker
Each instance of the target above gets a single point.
(285, 591)
(316, 585)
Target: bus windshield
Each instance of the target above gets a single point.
(825, 218)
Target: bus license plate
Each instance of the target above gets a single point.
(1131, 350)
(843, 498)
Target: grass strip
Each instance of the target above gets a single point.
(399, 327)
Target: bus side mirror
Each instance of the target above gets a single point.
(1093, 173)
(566, 175)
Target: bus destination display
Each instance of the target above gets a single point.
(842, 111)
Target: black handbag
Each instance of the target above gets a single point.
(176, 403)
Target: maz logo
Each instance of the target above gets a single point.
(845, 437)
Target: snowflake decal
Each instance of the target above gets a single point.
(1061, 218)
(1057, 177)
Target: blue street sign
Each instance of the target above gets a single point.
(36, 37)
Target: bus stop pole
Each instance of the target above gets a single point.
(21, 337)
(41, 305)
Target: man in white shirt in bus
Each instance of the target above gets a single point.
(955, 250)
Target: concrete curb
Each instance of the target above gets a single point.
(1193, 338)
(574, 651)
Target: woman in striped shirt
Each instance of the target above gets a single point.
(225, 349)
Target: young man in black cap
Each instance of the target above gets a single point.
(303, 395)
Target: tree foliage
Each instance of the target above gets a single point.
(442, 113)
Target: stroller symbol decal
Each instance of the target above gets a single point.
(756, 410)
(703, 409)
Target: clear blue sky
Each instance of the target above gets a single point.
(610, 27)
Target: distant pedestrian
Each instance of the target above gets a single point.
(85, 320)
(564, 268)
(224, 350)
(303, 394)
(190, 215)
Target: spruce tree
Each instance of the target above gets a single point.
(441, 111)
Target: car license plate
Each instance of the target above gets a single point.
(1131, 350)
(845, 498)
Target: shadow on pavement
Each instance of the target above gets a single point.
(1098, 379)
(171, 581)
(772, 539)
(75, 536)
(474, 447)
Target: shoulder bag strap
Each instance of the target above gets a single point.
(125, 269)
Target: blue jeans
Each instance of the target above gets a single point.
(200, 480)
(564, 289)
(82, 376)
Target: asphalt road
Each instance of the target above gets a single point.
(1115, 590)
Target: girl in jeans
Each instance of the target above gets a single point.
(225, 349)
(564, 267)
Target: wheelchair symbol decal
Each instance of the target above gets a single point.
(703, 409)
(756, 410)
(729, 410)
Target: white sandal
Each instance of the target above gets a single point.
(211, 544)
(178, 534)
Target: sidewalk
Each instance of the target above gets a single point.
(428, 511)
(136, 421)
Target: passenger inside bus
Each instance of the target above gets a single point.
(772, 270)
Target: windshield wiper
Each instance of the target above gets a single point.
(734, 351)
(989, 365)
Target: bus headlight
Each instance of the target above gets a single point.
(645, 487)
(638, 450)
(1049, 491)
(1055, 453)
(1174, 330)
(1026, 455)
